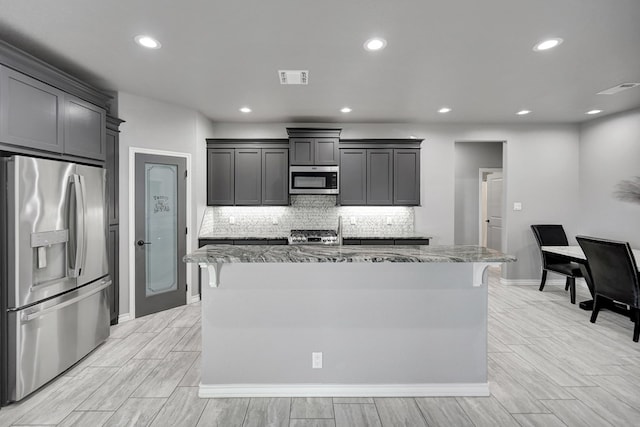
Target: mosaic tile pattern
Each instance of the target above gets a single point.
(328, 253)
(306, 212)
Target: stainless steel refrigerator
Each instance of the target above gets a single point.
(55, 278)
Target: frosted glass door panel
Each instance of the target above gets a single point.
(161, 228)
(160, 243)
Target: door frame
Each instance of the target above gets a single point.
(481, 202)
(131, 238)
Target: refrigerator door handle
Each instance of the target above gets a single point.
(78, 225)
(82, 236)
(27, 317)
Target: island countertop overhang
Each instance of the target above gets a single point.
(227, 254)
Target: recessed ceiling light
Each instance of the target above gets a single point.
(523, 112)
(591, 112)
(345, 110)
(444, 110)
(547, 44)
(375, 44)
(148, 42)
(245, 110)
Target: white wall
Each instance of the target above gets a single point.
(540, 169)
(157, 125)
(609, 153)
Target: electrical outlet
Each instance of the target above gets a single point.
(232, 220)
(353, 220)
(274, 221)
(517, 206)
(389, 220)
(316, 360)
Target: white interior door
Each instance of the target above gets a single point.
(494, 211)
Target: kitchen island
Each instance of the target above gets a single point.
(373, 320)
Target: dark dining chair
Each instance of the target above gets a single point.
(615, 276)
(554, 235)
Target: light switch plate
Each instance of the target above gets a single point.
(353, 220)
(316, 360)
(517, 206)
(232, 220)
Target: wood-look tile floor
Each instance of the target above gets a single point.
(548, 366)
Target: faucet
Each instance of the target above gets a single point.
(339, 232)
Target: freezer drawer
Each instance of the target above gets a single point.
(48, 338)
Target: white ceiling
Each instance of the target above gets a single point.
(471, 55)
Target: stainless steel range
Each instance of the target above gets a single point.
(314, 237)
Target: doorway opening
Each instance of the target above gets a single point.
(475, 161)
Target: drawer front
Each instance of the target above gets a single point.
(373, 242)
(350, 241)
(205, 242)
(412, 241)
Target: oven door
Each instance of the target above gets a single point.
(313, 180)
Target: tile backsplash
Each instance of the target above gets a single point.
(306, 212)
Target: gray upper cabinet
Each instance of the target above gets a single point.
(314, 146)
(406, 177)
(248, 177)
(353, 176)
(47, 112)
(275, 177)
(220, 176)
(380, 177)
(302, 151)
(380, 172)
(326, 151)
(243, 174)
(84, 129)
(314, 151)
(36, 115)
(30, 112)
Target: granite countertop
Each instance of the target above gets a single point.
(356, 237)
(390, 236)
(243, 238)
(213, 254)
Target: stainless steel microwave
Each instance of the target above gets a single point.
(313, 180)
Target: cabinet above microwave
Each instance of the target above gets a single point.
(313, 147)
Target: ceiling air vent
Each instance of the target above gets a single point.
(293, 77)
(619, 88)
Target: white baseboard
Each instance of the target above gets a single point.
(343, 390)
(536, 282)
(124, 317)
(530, 282)
(127, 316)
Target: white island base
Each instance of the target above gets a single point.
(384, 329)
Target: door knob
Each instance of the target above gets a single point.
(142, 242)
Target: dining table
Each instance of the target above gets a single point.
(575, 254)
